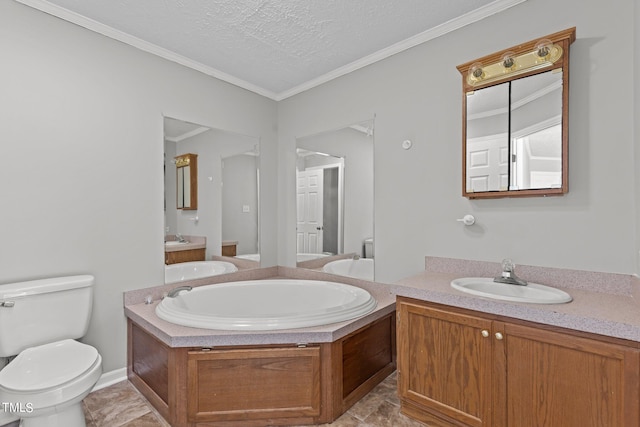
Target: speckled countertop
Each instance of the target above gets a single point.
(603, 303)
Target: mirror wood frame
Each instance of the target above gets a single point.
(191, 161)
(562, 38)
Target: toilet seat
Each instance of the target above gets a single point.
(51, 365)
(64, 379)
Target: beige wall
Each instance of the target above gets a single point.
(417, 95)
(82, 151)
(81, 181)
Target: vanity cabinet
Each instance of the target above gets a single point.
(463, 368)
(188, 255)
(229, 248)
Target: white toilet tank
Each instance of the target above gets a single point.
(43, 311)
(368, 247)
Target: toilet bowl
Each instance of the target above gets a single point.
(46, 381)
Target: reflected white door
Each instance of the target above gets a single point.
(487, 163)
(309, 211)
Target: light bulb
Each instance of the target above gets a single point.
(543, 48)
(476, 72)
(508, 60)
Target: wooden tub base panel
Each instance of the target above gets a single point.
(260, 385)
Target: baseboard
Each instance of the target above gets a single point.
(110, 378)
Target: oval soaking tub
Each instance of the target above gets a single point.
(361, 268)
(195, 270)
(259, 305)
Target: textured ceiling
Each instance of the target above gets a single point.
(273, 47)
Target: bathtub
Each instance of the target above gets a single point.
(260, 305)
(194, 270)
(299, 257)
(357, 268)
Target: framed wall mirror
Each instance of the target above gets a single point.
(334, 201)
(223, 226)
(515, 120)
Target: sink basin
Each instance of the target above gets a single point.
(532, 293)
(174, 243)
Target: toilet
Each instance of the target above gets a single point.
(368, 247)
(51, 373)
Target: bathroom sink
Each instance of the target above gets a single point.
(532, 293)
(174, 243)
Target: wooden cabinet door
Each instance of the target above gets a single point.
(555, 379)
(445, 366)
(254, 384)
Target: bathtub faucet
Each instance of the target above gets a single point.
(174, 292)
(508, 275)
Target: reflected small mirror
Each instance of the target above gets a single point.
(515, 116)
(334, 201)
(223, 225)
(187, 181)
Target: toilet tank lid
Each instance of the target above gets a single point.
(43, 286)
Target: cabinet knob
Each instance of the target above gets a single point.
(499, 336)
(485, 333)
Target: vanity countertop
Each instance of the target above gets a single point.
(192, 242)
(610, 314)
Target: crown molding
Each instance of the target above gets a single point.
(105, 30)
(435, 32)
(449, 26)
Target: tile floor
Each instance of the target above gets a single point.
(120, 405)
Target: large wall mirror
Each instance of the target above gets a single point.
(515, 120)
(334, 201)
(224, 227)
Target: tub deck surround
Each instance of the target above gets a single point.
(242, 264)
(603, 303)
(318, 263)
(181, 336)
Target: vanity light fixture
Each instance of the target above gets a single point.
(544, 54)
(183, 161)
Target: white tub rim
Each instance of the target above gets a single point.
(173, 310)
(228, 267)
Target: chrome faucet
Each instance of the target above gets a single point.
(174, 292)
(508, 275)
(355, 257)
(179, 238)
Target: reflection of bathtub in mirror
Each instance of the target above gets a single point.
(299, 257)
(195, 270)
(361, 268)
(250, 257)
